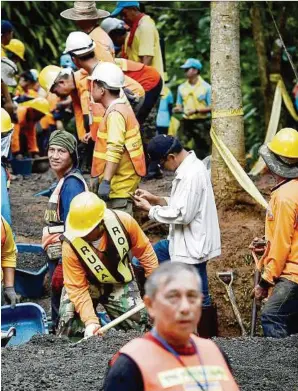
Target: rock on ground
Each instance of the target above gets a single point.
(50, 363)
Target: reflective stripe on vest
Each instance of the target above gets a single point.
(55, 227)
(161, 370)
(133, 141)
(92, 260)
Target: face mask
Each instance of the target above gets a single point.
(5, 144)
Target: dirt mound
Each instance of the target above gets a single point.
(31, 261)
(50, 363)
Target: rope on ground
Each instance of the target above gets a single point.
(242, 178)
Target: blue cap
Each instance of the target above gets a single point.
(160, 146)
(66, 62)
(124, 4)
(192, 63)
(6, 26)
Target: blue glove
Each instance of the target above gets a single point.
(104, 190)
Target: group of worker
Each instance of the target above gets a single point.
(96, 249)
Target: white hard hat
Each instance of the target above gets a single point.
(110, 24)
(79, 44)
(110, 74)
(8, 72)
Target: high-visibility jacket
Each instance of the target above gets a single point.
(132, 143)
(147, 76)
(281, 232)
(104, 49)
(112, 266)
(161, 370)
(194, 97)
(82, 105)
(25, 127)
(54, 225)
(8, 246)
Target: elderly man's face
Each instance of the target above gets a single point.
(176, 307)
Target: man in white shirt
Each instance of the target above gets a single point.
(194, 235)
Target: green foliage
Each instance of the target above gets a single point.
(185, 27)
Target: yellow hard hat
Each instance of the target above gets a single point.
(6, 124)
(39, 104)
(285, 143)
(17, 47)
(86, 211)
(48, 75)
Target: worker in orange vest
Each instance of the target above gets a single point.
(86, 16)
(118, 158)
(171, 357)
(28, 113)
(280, 260)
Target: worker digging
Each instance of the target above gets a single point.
(148, 242)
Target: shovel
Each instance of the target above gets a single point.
(227, 279)
(6, 335)
(116, 321)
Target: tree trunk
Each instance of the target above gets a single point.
(259, 39)
(226, 95)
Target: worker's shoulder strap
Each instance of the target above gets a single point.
(117, 233)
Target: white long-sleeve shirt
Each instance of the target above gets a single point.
(194, 235)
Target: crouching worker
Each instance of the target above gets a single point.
(280, 260)
(63, 160)
(96, 266)
(8, 263)
(170, 357)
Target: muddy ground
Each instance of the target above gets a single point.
(238, 227)
(48, 363)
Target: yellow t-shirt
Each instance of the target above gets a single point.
(8, 246)
(146, 43)
(125, 179)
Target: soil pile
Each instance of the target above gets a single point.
(49, 363)
(30, 261)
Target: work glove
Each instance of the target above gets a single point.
(11, 296)
(91, 330)
(104, 190)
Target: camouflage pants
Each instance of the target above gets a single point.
(117, 299)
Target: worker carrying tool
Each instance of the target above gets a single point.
(8, 263)
(6, 135)
(194, 235)
(96, 266)
(280, 260)
(87, 16)
(28, 113)
(118, 157)
(194, 101)
(63, 159)
(142, 43)
(171, 357)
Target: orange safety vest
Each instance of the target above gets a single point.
(133, 141)
(55, 226)
(162, 371)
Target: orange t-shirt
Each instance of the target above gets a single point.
(281, 231)
(75, 277)
(146, 75)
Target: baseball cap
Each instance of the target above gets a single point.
(161, 146)
(110, 24)
(124, 4)
(192, 63)
(6, 26)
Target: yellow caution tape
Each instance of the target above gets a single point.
(174, 126)
(281, 93)
(227, 113)
(275, 77)
(242, 178)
